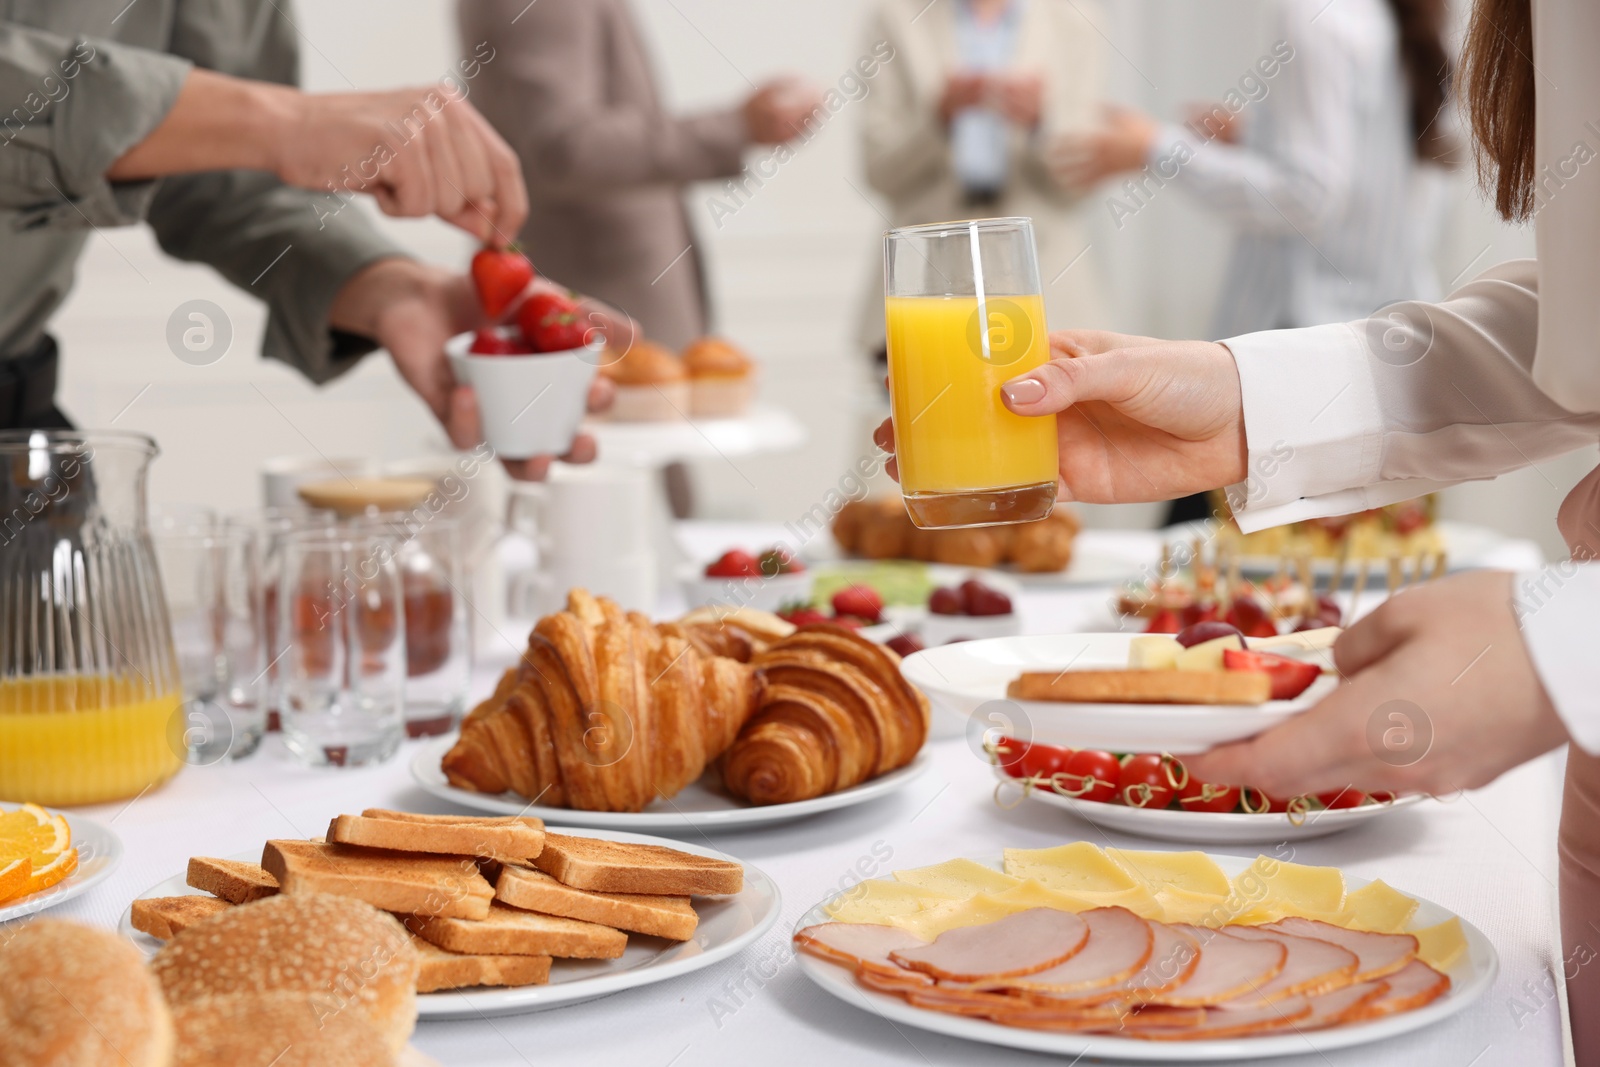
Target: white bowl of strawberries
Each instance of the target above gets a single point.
(532, 377)
(766, 581)
(970, 611)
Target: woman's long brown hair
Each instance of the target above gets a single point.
(1497, 67)
(1425, 59)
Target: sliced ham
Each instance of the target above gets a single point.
(888, 978)
(1174, 954)
(1097, 1020)
(960, 1001)
(1228, 967)
(1018, 944)
(1342, 1005)
(856, 944)
(1410, 987)
(1119, 945)
(1234, 1022)
(1377, 955)
(1311, 967)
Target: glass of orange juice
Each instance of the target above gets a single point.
(964, 312)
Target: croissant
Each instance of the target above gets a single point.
(835, 711)
(605, 713)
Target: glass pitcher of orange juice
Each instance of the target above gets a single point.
(89, 686)
(964, 313)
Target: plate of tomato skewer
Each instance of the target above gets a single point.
(1153, 795)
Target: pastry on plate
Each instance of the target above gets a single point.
(652, 385)
(722, 379)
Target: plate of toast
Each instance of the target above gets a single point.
(507, 915)
(1127, 692)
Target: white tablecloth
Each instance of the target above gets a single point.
(1488, 855)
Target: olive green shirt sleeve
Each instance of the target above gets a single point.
(79, 105)
(292, 248)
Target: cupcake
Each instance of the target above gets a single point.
(652, 385)
(722, 379)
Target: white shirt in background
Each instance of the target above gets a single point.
(1335, 215)
(1503, 374)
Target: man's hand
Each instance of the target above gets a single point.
(780, 110)
(1136, 418)
(412, 309)
(1121, 143)
(421, 151)
(1020, 98)
(1440, 696)
(962, 90)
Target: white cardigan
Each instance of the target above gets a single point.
(1505, 372)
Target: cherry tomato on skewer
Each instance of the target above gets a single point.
(1151, 781)
(1089, 774)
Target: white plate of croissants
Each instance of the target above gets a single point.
(725, 717)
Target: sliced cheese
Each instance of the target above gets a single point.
(1440, 945)
(1032, 894)
(1207, 656)
(1291, 888)
(876, 900)
(1378, 908)
(1077, 868)
(1193, 872)
(1153, 652)
(957, 878)
(1180, 905)
(936, 918)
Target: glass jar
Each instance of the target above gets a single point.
(90, 694)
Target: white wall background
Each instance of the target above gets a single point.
(788, 270)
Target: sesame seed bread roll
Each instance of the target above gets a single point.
(74, 996)
(343, 954)
(275, 1030)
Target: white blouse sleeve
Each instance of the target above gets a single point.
(1352, 416)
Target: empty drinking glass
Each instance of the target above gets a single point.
(340, 646)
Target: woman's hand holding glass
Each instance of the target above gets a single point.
(1136, 418)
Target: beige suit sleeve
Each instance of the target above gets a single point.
(905, 145)
(1352, 416)
(546, 91)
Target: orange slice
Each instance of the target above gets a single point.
(33, 832)
(13, 877)
(51, 873)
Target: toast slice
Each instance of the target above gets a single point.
(1143, 687)
(622, 867)
(163, 917)
(507, 837)
(442, 969)
(508, 931)
(671, 917)
(391, 881)
(232, 880)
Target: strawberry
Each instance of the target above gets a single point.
(861, 601)
(802, 615)
(979, 599)
(500, 275)
(734, 563)
(551, 322)
(495, 343)
(905, 644)
(1290, 677)
(946, 601)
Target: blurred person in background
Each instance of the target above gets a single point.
(959, 125)
(185, 115)
(573, 92)
(1328, 161)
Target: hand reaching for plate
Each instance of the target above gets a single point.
(1137, 418)
(1441, 695)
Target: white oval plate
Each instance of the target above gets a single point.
(970, 679)
(1205, 827)
(727, 925)
(1092, 564)
(697, 807)
(99, 852)
(1470, 978)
